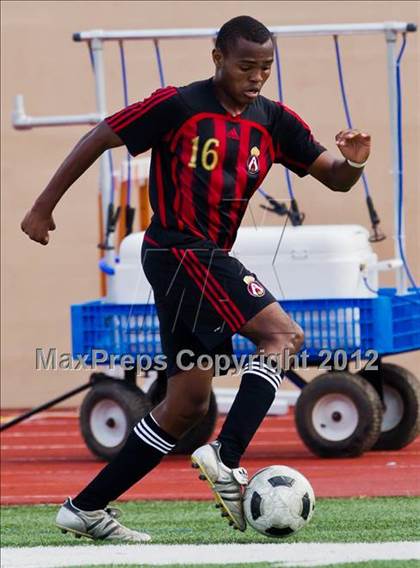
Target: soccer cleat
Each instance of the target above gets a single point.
(225, 482)
(97, 525)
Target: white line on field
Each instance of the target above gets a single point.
(302, 554)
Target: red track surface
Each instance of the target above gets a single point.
(45, 459)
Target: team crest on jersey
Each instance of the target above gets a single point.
(252, 164)
(254, 288)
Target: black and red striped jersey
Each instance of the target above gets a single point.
(206, 164)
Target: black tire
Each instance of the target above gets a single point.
(401, 415)
(338, 415)
(108, 413)
(200, 433)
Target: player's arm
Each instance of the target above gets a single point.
(139, 127)
(338, 174)
(38, 221)
(296, 148)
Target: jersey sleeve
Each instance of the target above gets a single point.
(294, 144)
(143, 124)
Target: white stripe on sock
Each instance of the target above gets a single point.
(148, 441)
(271, 370)
(265, 369)
(146, 428)
(153, 441)
(272, 382)
(156, 435)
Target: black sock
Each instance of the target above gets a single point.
(145, 447)
(260, 381)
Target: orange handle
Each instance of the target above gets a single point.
(122, 218)
(144, 205)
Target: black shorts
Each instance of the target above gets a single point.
(203, 297)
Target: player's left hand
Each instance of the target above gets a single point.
(354, 145)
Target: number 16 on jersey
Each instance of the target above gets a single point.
(209, 157)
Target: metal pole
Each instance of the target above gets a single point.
(391, 39)
(105, 161)
(21, 121)
(284, 31)
(44, 406)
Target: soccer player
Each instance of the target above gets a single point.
(212, 142)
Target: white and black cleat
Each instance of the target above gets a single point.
(227, 484)
(97, 525)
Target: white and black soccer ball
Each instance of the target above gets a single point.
(278, 501)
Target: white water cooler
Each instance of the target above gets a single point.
(294, 263)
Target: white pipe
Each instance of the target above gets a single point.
(21, 121)
(391, 39)
(105, 174)
(387, 265)
(283, 31)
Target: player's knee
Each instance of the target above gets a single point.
(298, 338)
(294, 341)
(282, 342)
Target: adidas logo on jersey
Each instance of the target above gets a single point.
(233, 134)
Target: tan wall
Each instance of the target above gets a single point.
(40, 60)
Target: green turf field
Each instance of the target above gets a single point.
(194, 522)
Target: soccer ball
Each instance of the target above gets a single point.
(278, 501)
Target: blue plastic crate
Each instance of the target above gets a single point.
(387, 324)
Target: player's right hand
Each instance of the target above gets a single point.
(36, 225)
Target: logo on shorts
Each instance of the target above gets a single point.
(252, 163)
(254, 288)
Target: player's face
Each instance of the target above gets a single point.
(243, 71)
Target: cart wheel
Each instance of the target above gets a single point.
(338, 415)
(108, 414)
(200, 433)
(401, 416)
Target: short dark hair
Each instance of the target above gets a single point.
(241, 27)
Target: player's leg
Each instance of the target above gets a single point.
(275, 336)
(186, 402)
(273, 332)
